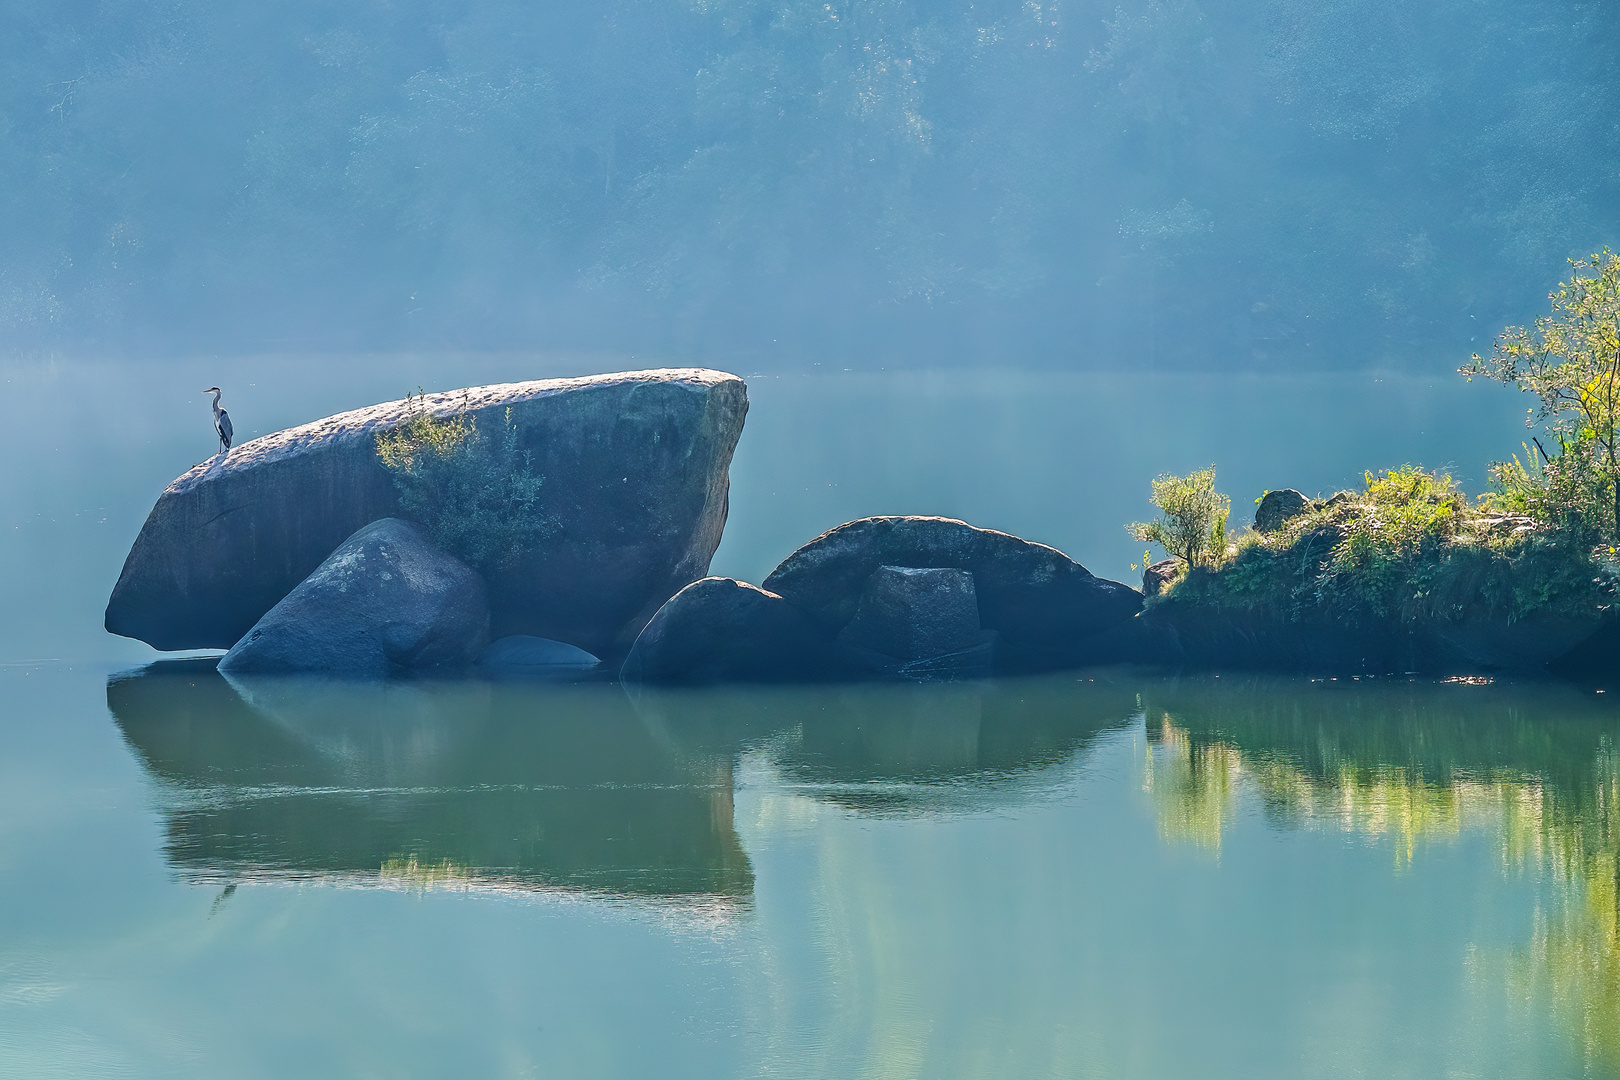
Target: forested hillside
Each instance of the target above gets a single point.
(1223, 183)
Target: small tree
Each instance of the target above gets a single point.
(1571, 361)
(1192, 525)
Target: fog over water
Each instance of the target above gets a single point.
(1258, 184)
(1062, 458)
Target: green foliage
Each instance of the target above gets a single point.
(1192, 525)
(475, 493)
(1566, 494)
(1571, 361)
(1411, 547)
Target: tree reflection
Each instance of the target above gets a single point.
(1532, 767)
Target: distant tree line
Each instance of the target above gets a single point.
(1251, 183)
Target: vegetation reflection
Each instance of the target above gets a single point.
(1533, 768)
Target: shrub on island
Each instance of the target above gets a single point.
(1408, 547)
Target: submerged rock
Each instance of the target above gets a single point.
(635, 480)
(385, 602)
(1043, 605)
(720, 629)
(526, 657)
(1278, 508)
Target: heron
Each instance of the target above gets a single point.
(222, 421)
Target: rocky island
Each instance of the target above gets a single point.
(565, 526)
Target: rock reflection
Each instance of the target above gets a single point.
(469, 784)
(455, 785)
(1533, 767)
(882, 748)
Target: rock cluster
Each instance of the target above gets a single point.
(909, 597)
(285, 550)
(635, 469)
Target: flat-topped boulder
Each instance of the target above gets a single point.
(635, 481)
(1042, 604)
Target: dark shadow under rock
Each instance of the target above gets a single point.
(1191, 636)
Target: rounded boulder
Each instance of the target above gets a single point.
(385, 602)
(1278, 508)
(1043, 605)
(719, 629)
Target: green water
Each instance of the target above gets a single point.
(1094, 875)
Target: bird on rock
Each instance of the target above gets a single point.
(222, 421)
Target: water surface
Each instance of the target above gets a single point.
(1093, 874)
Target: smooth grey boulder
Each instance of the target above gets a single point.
(915, 614)
(1042, 604)
(720, 629)
(1278, 508)
(635, 478)
(385, 602)
(526, 657)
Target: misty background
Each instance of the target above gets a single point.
(999, 261)
(1261, 185)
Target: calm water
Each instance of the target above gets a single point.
(1061, 877)
(1087, 875)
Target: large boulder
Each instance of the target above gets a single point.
(385, 602)
(723, 630)
(635, 476)
(1042, 603)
